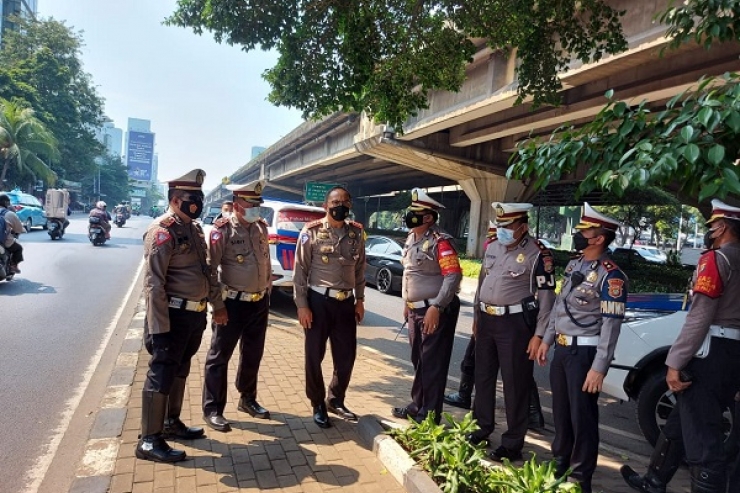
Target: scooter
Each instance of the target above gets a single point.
(5, 271)
(120, 219)
(95, 232)
(55, 228)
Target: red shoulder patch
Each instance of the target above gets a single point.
(708, 281)
(314, 223)
(448, 261)
(162, 236)
(356, 224)
(215, 236)
(609, 265)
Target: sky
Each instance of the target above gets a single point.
(207, 102)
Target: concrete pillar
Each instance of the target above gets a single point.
(482, 192)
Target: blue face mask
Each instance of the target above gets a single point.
(506, 236)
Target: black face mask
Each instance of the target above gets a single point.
(708, 240)
(413, 220)
(580, 242)
(192, 208)
(339, 213)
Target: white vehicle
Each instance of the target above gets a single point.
(654, 252)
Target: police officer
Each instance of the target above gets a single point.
(584, 324)
(431, 279)
(238, 248)
(704, 361)
(329, 291)
(515, 268)
(177, 286)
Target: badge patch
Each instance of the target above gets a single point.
(215, 236)
(162, 237)
(325, 259)
(548, 264)
(708, 280)
(592, 276)
(615, 287)
(520, 258)
(425, 246)
(304, 238)
(448, 261)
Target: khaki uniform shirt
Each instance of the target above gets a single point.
(329, 258)
(595, 307)
(239, 257)
(715, 302)
(175, 266)
(508, 276)
(431, 269)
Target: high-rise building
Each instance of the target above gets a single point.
(139, 150)
(111, 137)
(21, 8)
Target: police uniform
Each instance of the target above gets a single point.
(329, 277)
(176, 287)
(584, 326)
(506, 314)
(431, 277)
(239, 257)
(707, 350)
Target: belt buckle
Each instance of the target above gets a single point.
(410, 305)
(496, 310)
(562, 339)
(175, 302)
(341, 295)
(201, 306)
(255, 296)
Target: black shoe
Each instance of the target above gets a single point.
(502, 453)
(477, 439)
(253, 407)
(536, 420)
(340, 410)
(320, 416)
(217, 422)
(402, 412)
(561, 465)
(641, 483)
(456, 399)
(174, 428)
(154, 448)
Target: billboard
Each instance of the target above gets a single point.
(139, 155)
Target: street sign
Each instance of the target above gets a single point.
(316, 191)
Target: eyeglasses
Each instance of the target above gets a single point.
(337, 203)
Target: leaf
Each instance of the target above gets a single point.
(716, 154)
(692, 153)
(705, 115)
(731, 180)
(708, 191)
(686, 133)
(608, 94)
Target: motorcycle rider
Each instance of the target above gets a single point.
(15, 227)
(100, 211)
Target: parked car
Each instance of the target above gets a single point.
(28, 208)
(383, 267)
(649, 251)
(623, 255)
(638, 370)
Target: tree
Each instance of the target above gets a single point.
(690, 146)
(43, 60)
(385, 56)
(25, 142)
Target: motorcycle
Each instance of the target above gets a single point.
(55, 228)
(6, 272)
(95, 232)
(120, 219)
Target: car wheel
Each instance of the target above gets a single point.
(29, 225)
(384, 280)
(46, 225)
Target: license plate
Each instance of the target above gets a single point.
(95, 230)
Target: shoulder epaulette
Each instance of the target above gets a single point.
(262, 220)
(355, 224)
(542, 247)
(221, 221)
(575, 256)
(314, 223)
(609, 265)
(167, 221)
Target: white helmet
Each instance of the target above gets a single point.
(101, 205)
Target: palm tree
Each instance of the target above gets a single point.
(26, 142)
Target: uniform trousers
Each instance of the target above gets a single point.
(714, 383)
(335, 321)
(501, 344)
(172, 351)
(247, 326)
(467, 365)
(575, 412)
(430, 355)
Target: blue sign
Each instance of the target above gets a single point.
(140, 155)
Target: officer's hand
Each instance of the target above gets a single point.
(475, 328)
(673, 379)
(359, 310)
(541, 357)
(221, 316)
(533, 346)
(431, 320)
(305, 317)
(593, 382)
(406, 311)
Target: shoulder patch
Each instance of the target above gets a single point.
(215, 236)
(708, 281)
(167, 221)
(609, 265)
(448, 261)
(356, 224)
(162, 236)
(314, 223)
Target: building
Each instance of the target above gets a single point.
(21, 8)
(111, 137)
(141, 161)
(257, 150)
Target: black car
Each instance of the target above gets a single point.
(383, 263)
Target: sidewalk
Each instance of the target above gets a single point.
(287, 453)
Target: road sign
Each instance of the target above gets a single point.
(316, 191)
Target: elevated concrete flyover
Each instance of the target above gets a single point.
(466, 138)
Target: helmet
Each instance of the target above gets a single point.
(101, 205)
(4, 200)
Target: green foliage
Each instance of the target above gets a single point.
(384, 57)
(702, 21)
(692, 144)
(457, 466)
(470, 267)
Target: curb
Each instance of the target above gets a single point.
(393, 456)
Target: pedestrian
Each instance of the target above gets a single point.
(704, 361)
(13, 228)
(516, 290)
(227, 208)
(584, 326)
(239, 258)
(431, 280)
(177, 287)
(329, 291)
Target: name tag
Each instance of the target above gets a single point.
(175, 302)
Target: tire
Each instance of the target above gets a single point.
(384, 280)
(29, 225)
(45, 226)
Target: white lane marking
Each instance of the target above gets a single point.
(38, 471)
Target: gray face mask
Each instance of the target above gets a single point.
(506, 236)
(252, 215)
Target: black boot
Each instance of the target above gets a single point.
(462, 398)
(707, 481)
(173, 427)
(536, 418)
(663, 465)
(151, 445)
